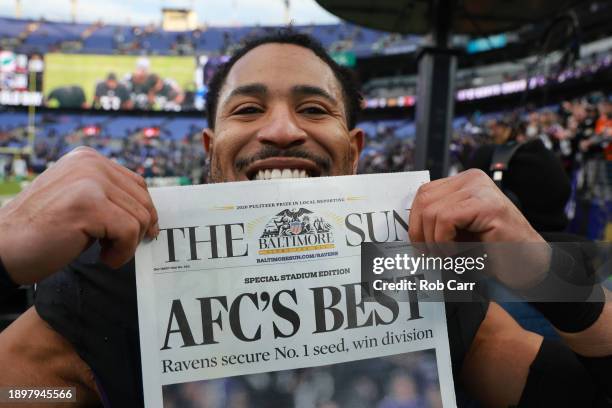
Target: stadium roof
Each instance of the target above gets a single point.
(469, 16)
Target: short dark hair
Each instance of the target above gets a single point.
(352, 97)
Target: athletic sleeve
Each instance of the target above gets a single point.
(6, 283)
(94, 308)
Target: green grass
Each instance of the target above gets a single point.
(9, 188)
(86, 70)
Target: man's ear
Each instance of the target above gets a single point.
(357, 140)
(207, 137)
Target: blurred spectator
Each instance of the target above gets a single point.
(164, 94)
(69, 96)
(110, 94)
(386, 382)
(19, 168)
(140, 83)
(578, 132)
(402, 393)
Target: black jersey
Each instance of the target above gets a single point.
(110, 98)
(71, 96)
(165, 96)
(139, 90)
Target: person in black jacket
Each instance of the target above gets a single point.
(532, 177)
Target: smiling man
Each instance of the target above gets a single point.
(282, 119)
(279, 108)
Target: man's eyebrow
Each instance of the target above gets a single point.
(313, 90)
(248, 90)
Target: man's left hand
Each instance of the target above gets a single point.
(468, 207)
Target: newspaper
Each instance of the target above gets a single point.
(251, 296)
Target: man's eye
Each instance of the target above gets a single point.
(313, 110)
(247, 110)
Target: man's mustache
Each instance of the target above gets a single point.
(267, 152)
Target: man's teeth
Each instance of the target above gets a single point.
(278, 173)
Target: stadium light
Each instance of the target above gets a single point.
(73, 10)
(17, 8)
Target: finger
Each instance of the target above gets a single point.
(437, 244)
(144, 199)
(426, 194)
(120, 238)
(415, 222)
(135, 186)
(459, 216)
(132, 206)
(433, 192)
(457, 180)
(139, 180)
(132, 183)
(429, 222)
(436, 183)
(415, 227)
(439, 212)
(438, 189)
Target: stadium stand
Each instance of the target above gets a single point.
(166, 146)
(9, 27)
(108, 39)
(157, 145)
(389, 148)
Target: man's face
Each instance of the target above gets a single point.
(140, 74)
(499, 133)
(281, 114)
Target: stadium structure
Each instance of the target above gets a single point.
(136, 94)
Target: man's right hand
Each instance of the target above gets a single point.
(84, 197)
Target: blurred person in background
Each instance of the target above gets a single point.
(506, 130)
(139, 84)
(68, 96)
(4, 159)
(110, 94)
(598, 164)
(165, 94)
(531, 175)
(402, 393)
(19, 168)
(433, 396)
(328, 404)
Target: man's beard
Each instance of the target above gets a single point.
(323, 163)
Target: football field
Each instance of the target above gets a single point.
(9, 188)
(86, 70)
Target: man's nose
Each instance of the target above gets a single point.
(281, 130)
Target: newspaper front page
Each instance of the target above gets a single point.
(251, 297)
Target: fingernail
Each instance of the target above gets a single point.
(153, 231)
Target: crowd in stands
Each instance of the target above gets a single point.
(400, 381)
(40, 37)
(578, 131)
(500, 79)
(27, 36)
(152, 147)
